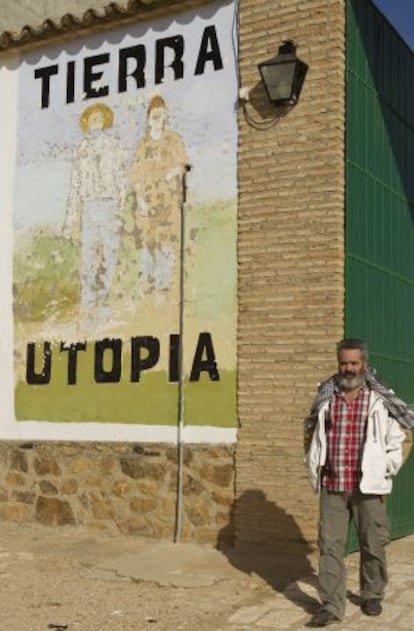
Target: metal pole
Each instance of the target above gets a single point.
(180, 423)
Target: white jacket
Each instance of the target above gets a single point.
(381, 455)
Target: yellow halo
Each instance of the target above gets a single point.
(106, 112)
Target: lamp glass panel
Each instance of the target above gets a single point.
(279, 79)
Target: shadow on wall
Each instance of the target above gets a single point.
(284, 564)
(259, 111)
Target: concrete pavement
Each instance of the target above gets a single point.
(291, 608)
(292, 603)
(242, 589)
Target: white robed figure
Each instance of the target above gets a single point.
(94, 206)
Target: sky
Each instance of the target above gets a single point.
(401, 15)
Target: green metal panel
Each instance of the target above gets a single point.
(380, 213)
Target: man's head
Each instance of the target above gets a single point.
(352, 363)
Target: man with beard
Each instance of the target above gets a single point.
(353, 447)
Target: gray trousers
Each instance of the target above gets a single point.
(370, 515)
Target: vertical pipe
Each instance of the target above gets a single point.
(180, 423)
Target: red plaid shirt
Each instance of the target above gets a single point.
(345, 438)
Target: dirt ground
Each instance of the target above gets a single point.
(69, 578)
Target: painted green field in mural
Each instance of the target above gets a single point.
(153, 401)
(45, 276)
(46, 279)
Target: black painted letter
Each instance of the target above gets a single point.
(205, 344)
(44, 74)
(70, 82)
(138, 363)
(177, 44)
(33, 377)
(89, 76)
(72, 359)
(113, 375)
(137, 53)
(174, 362)
(209, 51)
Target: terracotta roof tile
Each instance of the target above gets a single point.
(69, 23)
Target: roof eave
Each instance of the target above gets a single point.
(70, 25)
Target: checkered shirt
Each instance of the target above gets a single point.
(345, 438)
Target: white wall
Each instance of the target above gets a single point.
(17, 80)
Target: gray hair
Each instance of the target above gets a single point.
(352, 343)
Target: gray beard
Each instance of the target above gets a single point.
(351, 383)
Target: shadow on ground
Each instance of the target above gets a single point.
(284, 564)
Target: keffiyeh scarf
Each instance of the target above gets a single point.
(396, 407)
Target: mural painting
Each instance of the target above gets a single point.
(124, 269)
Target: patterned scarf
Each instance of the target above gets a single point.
(395, 406)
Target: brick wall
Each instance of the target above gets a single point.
(291, 271)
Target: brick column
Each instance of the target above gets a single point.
(291, 261)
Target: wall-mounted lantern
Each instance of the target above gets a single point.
(283, 75)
